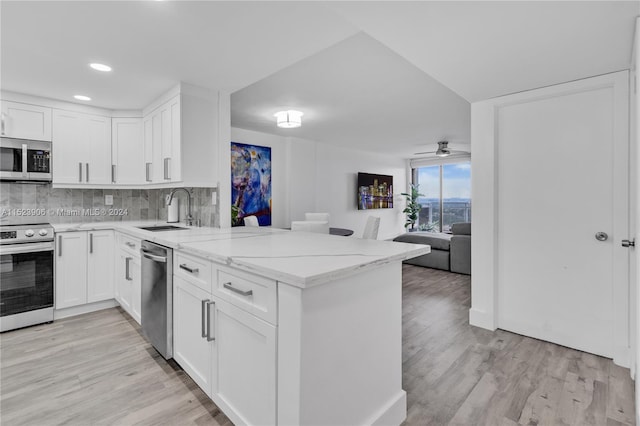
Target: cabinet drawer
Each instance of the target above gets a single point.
(193, 269)
(130, 244)
(254, 294)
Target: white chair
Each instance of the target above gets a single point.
(371, 228)
(317, 216)
(251, 221)
(319, 226)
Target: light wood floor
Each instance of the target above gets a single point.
(97, 369)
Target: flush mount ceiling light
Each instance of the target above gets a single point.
(82, 98)
(289, 119)
(100, 67)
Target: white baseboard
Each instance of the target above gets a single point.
(83, 309)
(392, 414)
(482, 319)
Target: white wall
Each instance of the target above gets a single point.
(308, 176)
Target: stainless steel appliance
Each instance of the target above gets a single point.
(26, 275)
(25, 160)
(157, 296)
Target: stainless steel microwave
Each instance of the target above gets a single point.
(25, 160)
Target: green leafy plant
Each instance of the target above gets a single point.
(413, 206)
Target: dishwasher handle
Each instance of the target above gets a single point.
(155, 258)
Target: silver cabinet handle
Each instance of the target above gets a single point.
(188, 269)
(167, 173)
(25, 153)
(2, 128)
(59, 245)
(90, 243)
(230, 286)
(113, 173)
(148, 175)
(210, 327)
(629, 243)
(130, 244)
(204, 320)
(126, 268)
(79, 172)
(87, 172)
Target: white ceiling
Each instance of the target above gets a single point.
(367, 74)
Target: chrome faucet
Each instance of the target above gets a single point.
(189, 216)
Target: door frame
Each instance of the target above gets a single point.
(485, 185)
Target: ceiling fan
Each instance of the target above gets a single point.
(443, 150)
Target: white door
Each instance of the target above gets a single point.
(97, 136)
(562, 185)
(135, 268)
(71, 269)
(69, 152)
(100, 283)
(124, 283)
(191, 349)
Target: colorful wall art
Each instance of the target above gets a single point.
(250, 183)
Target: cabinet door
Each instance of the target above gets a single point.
(124, 281)
(68, 150)
(135, 267)
(97, 136)
(245, 378)
(170, 121)
(190, 346)
(127, 150)
(24, 121)
(148, 148)
(71, 269)
(100, 283)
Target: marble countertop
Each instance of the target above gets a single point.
(301, 259)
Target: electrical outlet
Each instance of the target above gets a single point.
(214, 198)
(108, 200)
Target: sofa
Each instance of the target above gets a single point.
(449, 252)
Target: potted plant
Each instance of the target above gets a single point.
(413, 207)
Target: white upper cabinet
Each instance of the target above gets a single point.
(81, 148)
(127, 151)
(162, 145)
(24, 121)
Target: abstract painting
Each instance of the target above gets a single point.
(250, 183)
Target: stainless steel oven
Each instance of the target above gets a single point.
(25, 160)
(26, 275)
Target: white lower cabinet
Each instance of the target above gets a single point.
(128, 280)
(245, 383)
(191, 348)
(84, 268)
(226, 349)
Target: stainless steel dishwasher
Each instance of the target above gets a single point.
(157, 296)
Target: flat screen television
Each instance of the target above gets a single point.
(375, 191)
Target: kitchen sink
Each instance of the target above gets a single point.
(158, 228)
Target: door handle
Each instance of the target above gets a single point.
(148, 175)
(210, 338)
(167, 169)
(59, 245)
(153, 257)
(25, 153)
(126, 268)
(113, 173)
(79, 172)
(204, 316)
(2, 126)
(87, 171)
(90, 243)
(601, 236)
(629, 243)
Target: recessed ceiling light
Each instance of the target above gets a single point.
(82, 98)
(100, 67)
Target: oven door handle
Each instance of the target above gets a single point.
(26, 248)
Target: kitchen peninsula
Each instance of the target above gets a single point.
(282, 327)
